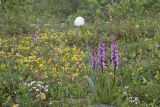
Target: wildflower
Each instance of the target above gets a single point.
(126, 87)
(37, 90)
(73, 76)
(94, 59)
(46, 90)
(157, 76)
(139, 69)
(31, 83)
(114, 54)
(134, 100)
(39, 85)
(41, 66)
(34, 88)
(15, 105)
(137, 26)
(75, 58)
(79, 21)
(46, 86)
(33, 35)
(39, 55)
(42, 96)
(101, 55)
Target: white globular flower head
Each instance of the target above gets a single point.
(79, 21)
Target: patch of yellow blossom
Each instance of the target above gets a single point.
(157, 76)
(46, 52)
(42, 96)
(139, 69)
(15, 105)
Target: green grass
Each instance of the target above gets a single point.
(64, 65)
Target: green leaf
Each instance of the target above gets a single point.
(92, 86)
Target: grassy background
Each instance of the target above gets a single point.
(59, 54)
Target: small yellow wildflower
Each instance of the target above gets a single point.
(139, 69)
(36, 71)
(157, 76)
(75, 58)
(42, 96)
(53, 68)
(137, 26)
(41, 66)
(89, 33)
(122, 30)
(74, 49)
(25, 59)
(73, 76)
(15, 105)
(111, 74)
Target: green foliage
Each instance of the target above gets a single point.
(59, 54)
(127, 8)
(104, 91)
(20, 16)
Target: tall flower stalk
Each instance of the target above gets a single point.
(94, 59)
(114, 57)
(114, 54)
(102, 54)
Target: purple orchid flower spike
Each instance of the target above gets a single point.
(94, 59)
(114, 54)
(102, 54)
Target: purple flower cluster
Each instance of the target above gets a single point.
(114, 54)
(33, 35)
(99, 59)
(94, 60)
(102, 54)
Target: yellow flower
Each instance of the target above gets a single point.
(42, 96)
(139, 69)
(32, 57)
(137, 26)
(31, 66)
(127, 98)
(122, 30)
(15, 105)
(0, 41)
(25, 48)
(59, 82)
(75, 58)
(53, 68)
(74, 49)
(25, 59)
(2, 67)
(44, 37)
(39, 59)
(89, 33)
(73, 76)
(157, 76)
(41, 66)
(36, 71)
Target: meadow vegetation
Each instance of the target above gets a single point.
(112, 60)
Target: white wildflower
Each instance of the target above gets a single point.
(37, 90)
(134, 100)
(46, 90)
